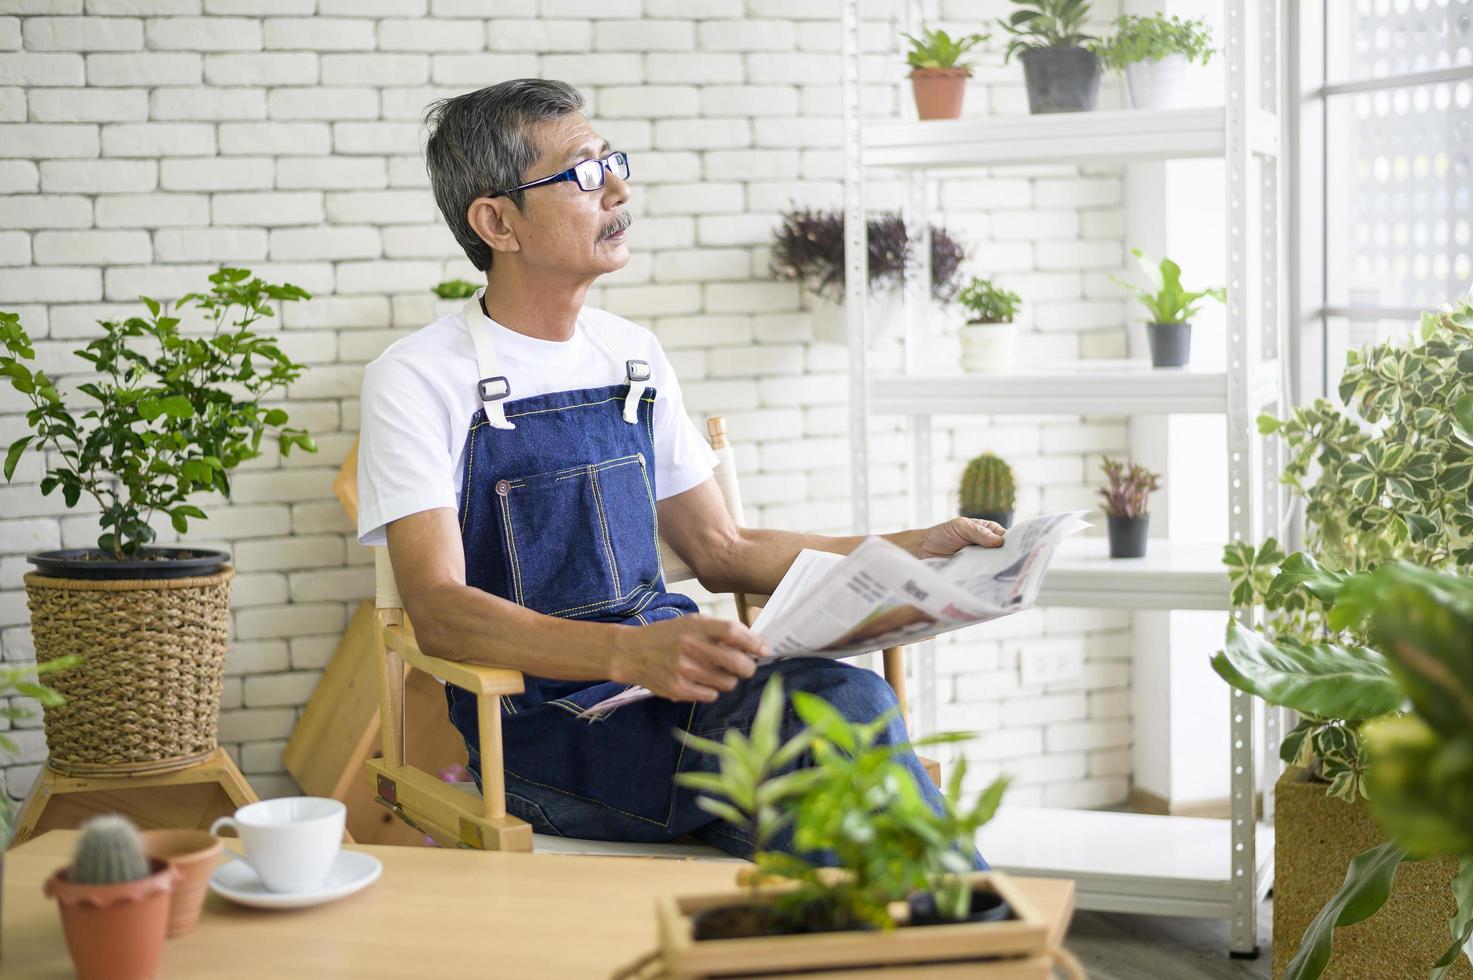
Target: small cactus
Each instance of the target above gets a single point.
(987, 486)
(108, 852)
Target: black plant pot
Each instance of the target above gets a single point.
(1061, 79)
(154, 563)
(1003, 517)
(1171, 344)
(1128, 536)
(987, 906)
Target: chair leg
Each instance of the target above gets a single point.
(895, 674)
(493, 775)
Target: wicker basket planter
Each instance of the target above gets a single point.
(146, 697)
(1315, 837)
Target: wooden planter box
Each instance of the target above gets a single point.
(1315, 837)
(1016, 949)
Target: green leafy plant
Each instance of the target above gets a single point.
(1127, 488)
(1166, 301)
(173, 414)
(1038, 24)
(936, 49)
(988, 486)
(1152, 38)
(986, 302)
(856, 800)
(24, 682)
(455, 289)
(809, 247)
(1421, 762)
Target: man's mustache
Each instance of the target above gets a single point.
(624, 222)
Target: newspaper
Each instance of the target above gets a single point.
(879, 595)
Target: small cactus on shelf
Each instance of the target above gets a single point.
(987, 486)
(109, 852)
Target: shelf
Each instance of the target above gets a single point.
(1136, 863)
(1095, 387)
(1171, 576)
(1073, 138)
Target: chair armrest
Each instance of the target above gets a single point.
(476, 678)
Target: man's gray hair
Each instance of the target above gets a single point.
(481, 142)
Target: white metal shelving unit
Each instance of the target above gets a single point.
(1124, 862)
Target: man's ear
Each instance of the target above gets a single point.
(487, 218)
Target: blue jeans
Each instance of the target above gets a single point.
(859, 695)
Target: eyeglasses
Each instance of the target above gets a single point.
(589, 174)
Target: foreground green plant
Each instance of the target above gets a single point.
(173, 414)
(1152, 38)
(1038, 24)
(937, 49)
(24, 682)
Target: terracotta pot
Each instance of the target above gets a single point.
(939, 91)
(115, 932)
(194, 853)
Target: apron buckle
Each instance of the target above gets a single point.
(494, 389)
(637, 371)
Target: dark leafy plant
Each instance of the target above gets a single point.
(1166, 301)
(936, 49)
(1127, 487)
(172, 414)
(986, 302)
(24, 682)
(1038, 24)
(455, 289)
(1152, 38)
(809, 247)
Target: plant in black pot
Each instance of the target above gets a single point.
(938, 76)
(1170, 307)
(168, 415)
(809, 247)
(1060, 65)
(1127, 487)
(987, 491)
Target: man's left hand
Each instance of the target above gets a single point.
(945, 540)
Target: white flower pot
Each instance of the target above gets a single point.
(988, 346)
(1158, 84)
(884, 312)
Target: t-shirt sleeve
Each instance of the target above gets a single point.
(404, 460)
(683, 457)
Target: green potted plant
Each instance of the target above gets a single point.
(1153, 52)
(1383, 479)
(809, 247)
(1060, 65)
(903, 890)
(114, 903)
(451, 294)
(168, 418)
(1127, 487)
(1170, 307)
(987, 491)
(989, 337)
(938, 77)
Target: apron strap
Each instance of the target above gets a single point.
(636, 373)
(493, 388)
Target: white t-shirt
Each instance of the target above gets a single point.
(419, 396)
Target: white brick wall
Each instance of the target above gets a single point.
(144, 141)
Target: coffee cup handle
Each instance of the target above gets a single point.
(224, 822)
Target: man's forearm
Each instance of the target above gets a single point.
(756, 559)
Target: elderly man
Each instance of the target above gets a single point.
(521, 458)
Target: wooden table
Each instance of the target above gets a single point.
(433, 913)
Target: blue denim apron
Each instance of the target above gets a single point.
(558, 515)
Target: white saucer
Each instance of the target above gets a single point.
(353, 871)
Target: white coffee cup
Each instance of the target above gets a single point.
(292, 841)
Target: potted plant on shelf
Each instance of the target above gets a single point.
(172, 414)
(989, 337)
(809, 247)
(1153, 52)
(987, 491)
(1171, 308)
(938, 77)
(1060, 66)
(451, 295)
(1383, 479)
(903, 890)
(1127, 487)
(114, 903)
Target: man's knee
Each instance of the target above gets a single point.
(859, 695)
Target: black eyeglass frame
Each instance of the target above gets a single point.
(606, 164)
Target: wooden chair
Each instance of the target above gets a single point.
(452, 814)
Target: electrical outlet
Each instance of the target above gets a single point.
(1047, 663)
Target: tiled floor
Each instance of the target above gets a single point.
(1134, 947)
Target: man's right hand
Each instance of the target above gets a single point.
(688, 658)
